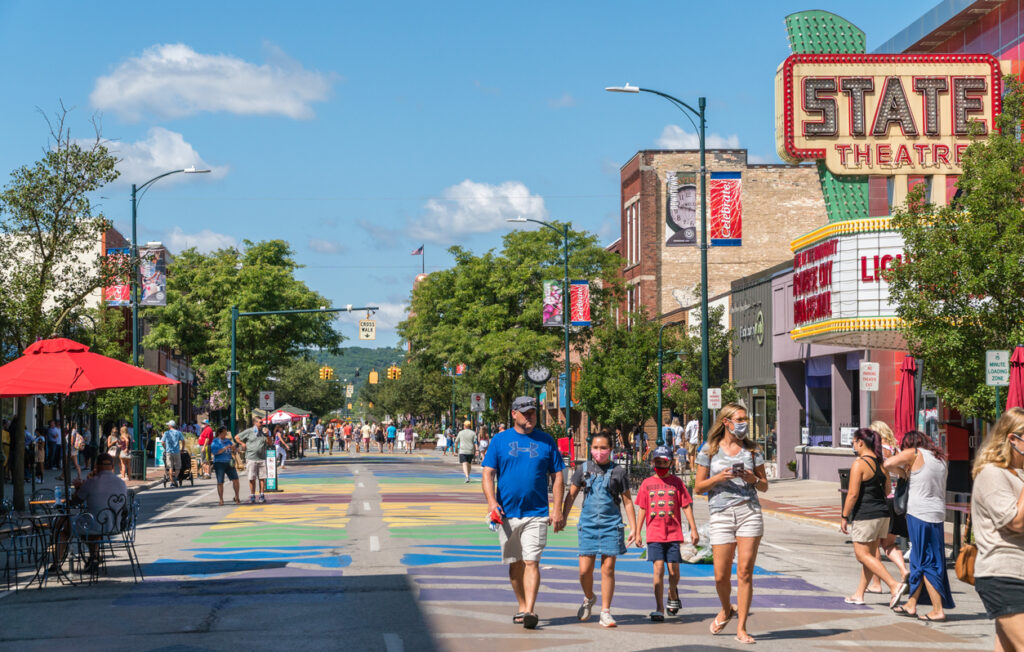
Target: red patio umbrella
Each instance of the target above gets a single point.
(63, 366)
(282, 416)
(1015, 395)
(905, 408)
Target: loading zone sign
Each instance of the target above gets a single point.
(367, 329)
(997, 368)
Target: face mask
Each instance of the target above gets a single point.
(601, 456)
(662, 472)
(1012, 443)
(740, 429)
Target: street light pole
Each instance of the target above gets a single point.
(699, 113)
(565, 312)
(134, 283)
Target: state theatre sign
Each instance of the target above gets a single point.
(885, 114)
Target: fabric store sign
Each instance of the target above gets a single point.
(726, 209)
(884, 113)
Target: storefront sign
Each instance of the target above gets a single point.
(997, 368)
(754, 331)
(812, 282)
(681, 209)
(726, 209)
(884, 113)
(869, 375)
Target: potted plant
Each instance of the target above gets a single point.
(791, 465)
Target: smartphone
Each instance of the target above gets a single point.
(737, 469)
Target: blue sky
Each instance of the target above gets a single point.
(358, 131)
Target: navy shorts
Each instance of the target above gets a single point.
(664, 551)
(222, 468)
(1002, 596)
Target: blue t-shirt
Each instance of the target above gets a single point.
(523, 463)
(218, 447)
(172, 441)
(391, 432)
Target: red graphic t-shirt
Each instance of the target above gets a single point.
(663, 499)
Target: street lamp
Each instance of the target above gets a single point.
(134, 280)
(688, 110)
(564, 232)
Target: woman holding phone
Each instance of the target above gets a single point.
(730, 469)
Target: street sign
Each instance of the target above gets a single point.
(714, 398)
(266, 400)
(869, 376)
(349, 391)
(367, 329)
(476, 402)
(997, 368)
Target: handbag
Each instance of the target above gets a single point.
(968, 554)
(901, 496)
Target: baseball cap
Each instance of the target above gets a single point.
(206, 421)
(171, 423)
(662, 452)
(524, 403)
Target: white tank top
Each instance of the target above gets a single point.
(927, 499)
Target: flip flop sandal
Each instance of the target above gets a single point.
(852, 601)
(673, 606)
(530, 620)
(749, 640)
(927, 618)
(903, 612)
(901, 591)
(717, 627)
(518, 618)
(657, 617)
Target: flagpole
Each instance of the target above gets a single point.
(423, 260)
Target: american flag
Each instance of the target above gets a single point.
(417, 252)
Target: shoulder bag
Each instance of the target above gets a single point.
(901, 496)
(968, 554)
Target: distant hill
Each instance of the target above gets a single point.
(364, 359)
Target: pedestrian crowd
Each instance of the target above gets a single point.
(896, 489)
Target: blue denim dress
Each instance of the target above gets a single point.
(600, 528)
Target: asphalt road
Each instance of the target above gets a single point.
(392, 553)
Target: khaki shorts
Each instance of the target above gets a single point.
(869, 530)
(523, 539)
(174, 461)
(691, 451)
(742, 520)
(256, 469)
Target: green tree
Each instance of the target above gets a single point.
(960, 290)
(486, 310)
(618, 381)
(685, 397)
(298, 383)
(50, 237)
(202, 288)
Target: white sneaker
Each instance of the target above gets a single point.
(606, 619)
(583, 613)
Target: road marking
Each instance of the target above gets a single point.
(374, 544)
(393, 642)
(355, 471)
(360, 484)
(366, 506)
(772, 545)
(166, 514)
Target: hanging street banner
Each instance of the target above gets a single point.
(884, 114)
(726, 209)
(367, 329)
(579, 303)
(553, 304)
(119, 292)
(680, 209)
(153, 276)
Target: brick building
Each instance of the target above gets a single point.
(779, 202)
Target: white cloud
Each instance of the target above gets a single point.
(162, 150)
(470, 207)
(759, 159)
(174, 81)
(387, 318)
(205, 240)
(564, 102)
(326, 246)
(675, 137)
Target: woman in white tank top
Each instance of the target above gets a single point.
(924, 464)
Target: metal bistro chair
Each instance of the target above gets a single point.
(19, 546)
(42, 502)
(115, 527)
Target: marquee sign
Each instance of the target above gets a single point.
(883, 113)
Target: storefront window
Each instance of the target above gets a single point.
(818, 385)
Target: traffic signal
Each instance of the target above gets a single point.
(398, 373)
(373, 378)
(390, 373)
(330, 373)
(323, 373)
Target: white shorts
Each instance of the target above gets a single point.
(523, 539)
(256, 469)
(742, 520)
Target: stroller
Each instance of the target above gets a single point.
(185, 473)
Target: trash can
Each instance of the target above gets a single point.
(137, 470)
(844, 487)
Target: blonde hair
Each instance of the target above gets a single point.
(124, 430)
(883, 429)
(996, 449)
(718, 429)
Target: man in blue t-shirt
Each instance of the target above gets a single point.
(392, 433)
(520, 460)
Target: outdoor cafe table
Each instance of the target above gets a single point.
(43, 527)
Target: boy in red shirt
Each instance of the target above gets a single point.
(661, 499)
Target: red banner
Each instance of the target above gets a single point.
(119, 292)
(726, 209)
(579, 303)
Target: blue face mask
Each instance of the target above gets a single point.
(740, 429)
